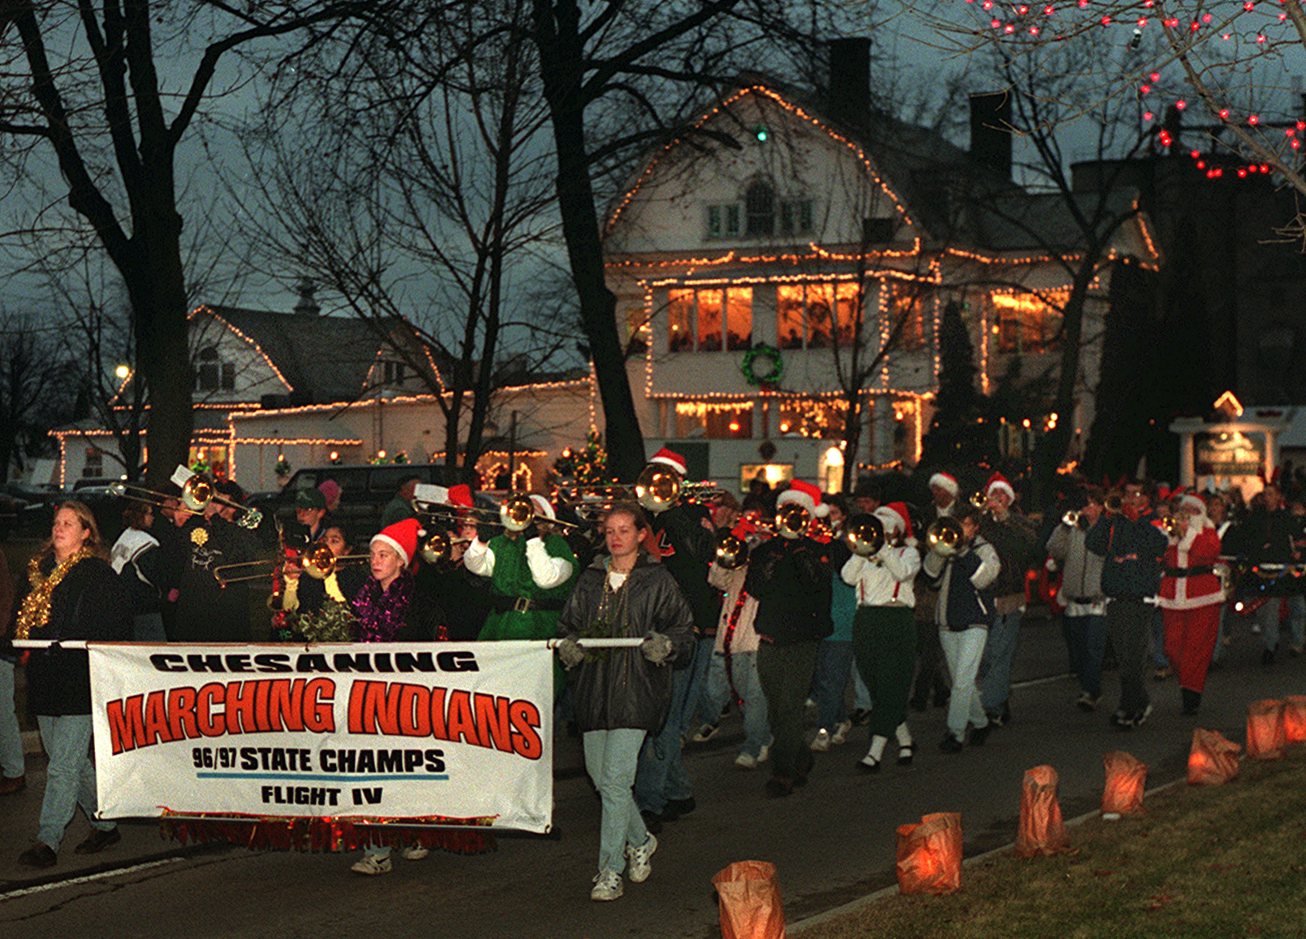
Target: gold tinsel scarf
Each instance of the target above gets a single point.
(35, 611)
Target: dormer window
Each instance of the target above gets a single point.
(392, 373)
(759, 209)
(212, 374)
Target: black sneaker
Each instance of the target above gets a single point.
(678, 807)
(652, 821)
(38, 855)
(98, 840)
(1121, 721)
(950, 744)
(979, 734)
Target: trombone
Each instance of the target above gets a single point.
(865, 535)
(656, 489)
(318, 563)
(197, 493)
(944, 536)
(438, 546)
(517, 513)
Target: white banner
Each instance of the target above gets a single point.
(351, 731)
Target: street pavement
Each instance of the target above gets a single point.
(832, 841)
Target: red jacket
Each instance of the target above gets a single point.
(1198, 548)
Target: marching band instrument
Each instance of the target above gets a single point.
(1171, 525)
(944, 536)
(978, 499)
(1114, 504)
(438, 546)
(865, 535)
(197, 493)
(657, 488)
(1071, 518)
(516, 513)
(791, 520)
(320, 563)
(731, 552)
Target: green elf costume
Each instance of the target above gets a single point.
(529, 580)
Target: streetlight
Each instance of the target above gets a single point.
(123, 371)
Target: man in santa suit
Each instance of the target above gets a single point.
(1190, 598)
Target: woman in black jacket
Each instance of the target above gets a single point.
(622, 694)
(70, 593)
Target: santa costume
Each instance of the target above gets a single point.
(1190, 600)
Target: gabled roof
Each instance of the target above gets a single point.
(320, 358)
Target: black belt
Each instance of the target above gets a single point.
(503, 604)
(1188, 571)
(1086, 600)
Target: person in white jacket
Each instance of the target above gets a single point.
(884, 632)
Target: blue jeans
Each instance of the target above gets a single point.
(743, 669)
(834, 660)
(995, 666)
(694, 695)
(662, 774)
(610, 759)
(861, 694)
(1267, 616)
(1086, 637)
(1159, 658)
(12, 764)
(70, 779)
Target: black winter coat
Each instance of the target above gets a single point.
(619, 688)
(688, 550)
(790, 577)
(89, 603)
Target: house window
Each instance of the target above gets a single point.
(1024, 323)
(208, 374)
(759, 209)
(910, 301)
(723, 220)
(714, 421)
(850, 300)
(819, 418)
(813, 316)
(704, 319)
(392, 373)
(796, 217)
(94, 465)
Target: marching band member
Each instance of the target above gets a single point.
(944, 490)
(310, 514)
(790, 577)
(1191, 597)
(1265, 538)
(70, 593)
(1081, 597)
(964, 612)
(884, 631)
(834, 658)
(1131, 547)
(206, 611)
(683, 535)
(1013, 537)
(530, 577)
(623, 694)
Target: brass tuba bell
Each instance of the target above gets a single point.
(944, 536)
(865, 535)
(731, 552)
(791, 520)
(657, 488)
(517, 512)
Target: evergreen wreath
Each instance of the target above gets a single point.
(774, 365)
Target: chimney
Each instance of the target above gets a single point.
(306, 306)
(990, 130)
(848, 94)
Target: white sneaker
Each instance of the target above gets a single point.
(746, 761)
(637, 860)
(763, 753)
(840, 735)
(415, 852)
(705, 733)
(371, 866)
(821, 742)
(607, 886)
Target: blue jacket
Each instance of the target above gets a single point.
(1132, 552)
(965, 583)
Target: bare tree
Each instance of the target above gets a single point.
(36, 386)
(93, 86)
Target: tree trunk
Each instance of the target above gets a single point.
(561, 60)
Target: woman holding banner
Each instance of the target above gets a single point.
(70, 592)
(622, 694)
(388, 608)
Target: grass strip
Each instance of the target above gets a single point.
(1221, 861)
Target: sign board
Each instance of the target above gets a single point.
(1231, 453)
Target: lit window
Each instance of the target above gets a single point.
(820, 316)
(819, 418)
(805, 316)
(789, 316)
(1026, 324)
(705, 319)
(850, 300)
(910, 301)
(714, 421)
(680, 313)
(709, 320)
(739, 318)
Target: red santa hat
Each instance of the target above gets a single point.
(461, 496)
(806, 495)
(896, 517)
(998, 483)
(945, 481)
(543, 509)
(670, 458)
(402, 537)
(1192, 503)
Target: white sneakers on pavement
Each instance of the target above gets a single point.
(638, 865)
(372, 866)
(607, 886)
(821, 742)
(748, 761)
(841, 731)
(415, 852)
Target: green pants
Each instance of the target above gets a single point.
(884, 646)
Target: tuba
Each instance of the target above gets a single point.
(865, 535)
(944, 536)
(791, 520)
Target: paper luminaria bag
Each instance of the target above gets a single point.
(1294, 718)
(1212, 759)
(750, 901)
(929, 854)
(1266, 739)
(1042, 830)
(1126, 777)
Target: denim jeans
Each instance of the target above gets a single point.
(661, 767)
(1159, 658)
(70, 779)
(1086, 637)
(1267, 617)
(743, 669)
(995, 666)
(12, 764)
(834, 661)
(696, 694)
(963, 650)
(610, 759)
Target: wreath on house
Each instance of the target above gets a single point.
(768, 371)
